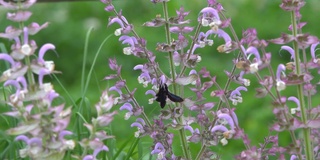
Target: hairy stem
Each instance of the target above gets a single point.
(191, 48)
(306, 131)
(182, 135)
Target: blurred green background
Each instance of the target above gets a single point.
(70, 21)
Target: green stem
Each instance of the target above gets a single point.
(185, 147)
(168, 39)
(30, 76)
(131, 150)
(182, 135)
(306, 131)
(191, 48)
(203, 148)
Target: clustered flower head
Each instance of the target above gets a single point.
(41, 123)
(97, 134)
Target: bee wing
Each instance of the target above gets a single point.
(174, 98)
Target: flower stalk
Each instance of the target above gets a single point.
(182, 136)
(304, 117)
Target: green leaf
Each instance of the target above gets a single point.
(27, 127)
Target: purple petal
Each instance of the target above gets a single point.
(210, 10)
(43, 50)
(293, 157)
(237, 91)
(124, 19)
(141, 121)
(241, 88)
(116, 20)
(189, 128)
(114, 88)
(193, 72)
(42, 73)
(89, 126)
(234, 116)
(25, 35)
(145, 75)
(126, 106)
(22, 138)
(280, 69)
(19, 16)
(228, 118)
(88, 157)
(174, 29)
(98, 150)
(36, 141)
(7, 58)
(13, 83)
(29, 108)
(314, 123)
(124, 37)
(254, 51)
(52, 95)
(312, 50)
(194, 108)
(295, 99)
(13, 6)
(220, 33)
(35, 28)
(109, 8)
(290, 50)
(64, 133)
(139, 66)
(11, 33)
(187, 29)
(128, 40)
(152, 92)
(157, 148)
(136, 124)
(220, 128)
(120, 84)
(163, 79)
(23, 81)
(208, 106)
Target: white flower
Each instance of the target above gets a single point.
(198, 59)
(70, 144)
(210, 42)
(26, 49)
(254, 67)
(246, 82)
(204, 22)
(128, 115)
(224, 141)
(127, 50)
(118, 32)
(280, 85)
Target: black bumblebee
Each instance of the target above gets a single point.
(164, 93)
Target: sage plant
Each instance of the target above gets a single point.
(201, 119)
(41, 124)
